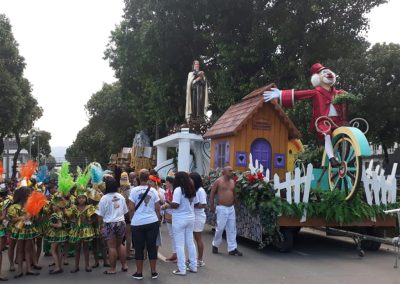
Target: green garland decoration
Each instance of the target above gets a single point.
(346, 98)
(259, 198)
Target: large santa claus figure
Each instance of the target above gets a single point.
(322, 79)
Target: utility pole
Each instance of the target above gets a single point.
(8, 157)
(38, 148)
(30, 144)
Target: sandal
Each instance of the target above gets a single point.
(124, 269)
(109, 273)
(36, 267)
(32, 273)
(56, 271)
(96, 265)
(18, 275)
(52, 264)
(75, 270)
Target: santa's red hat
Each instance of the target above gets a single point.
(316, 68)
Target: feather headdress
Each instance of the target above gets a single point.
(43, 174)
(26, 170)
(65, 180)
(97, 173)
(36, 201)
(83, 178)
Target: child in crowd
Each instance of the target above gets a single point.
(22, 230)
(82, 231)
(56, 234)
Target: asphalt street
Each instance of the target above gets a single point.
(315, 259)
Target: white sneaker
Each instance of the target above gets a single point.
(180, 273)
(201, 263)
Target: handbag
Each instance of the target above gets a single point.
(142, 199)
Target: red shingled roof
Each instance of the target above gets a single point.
(237, 115)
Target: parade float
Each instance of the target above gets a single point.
(281, 185)
(278, 192)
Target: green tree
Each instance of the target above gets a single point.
(11, 70)
(108, 111)
(37, 140)
(90, 145)
(111, 126)
(243, 44)
(28, 114)
(379, 86)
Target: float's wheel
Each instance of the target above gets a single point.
(345, 177)
(287, 240)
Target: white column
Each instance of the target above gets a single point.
(184, 155)
(161, 154)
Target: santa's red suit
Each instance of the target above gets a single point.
(322, 105)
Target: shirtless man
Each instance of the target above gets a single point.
(224, 188)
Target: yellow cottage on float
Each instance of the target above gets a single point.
(255, 127)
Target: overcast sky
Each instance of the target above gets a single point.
(63, 42)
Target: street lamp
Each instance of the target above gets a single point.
(38, 148)
(30, 144)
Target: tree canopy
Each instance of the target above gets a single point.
(19, 109)
(242, 45)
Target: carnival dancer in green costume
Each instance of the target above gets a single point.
(65, 185)
(22, 230)
(56, 234)
(5, 202)
(82, 231)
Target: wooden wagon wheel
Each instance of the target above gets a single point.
(346, 177)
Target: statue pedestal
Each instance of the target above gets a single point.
(193, 153)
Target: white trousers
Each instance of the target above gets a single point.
(183, 235)
(171, 236)
(226, 220)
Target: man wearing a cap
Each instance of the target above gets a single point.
(322, 79)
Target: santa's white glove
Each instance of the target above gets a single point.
(274, 93)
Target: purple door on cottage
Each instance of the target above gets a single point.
(261, 151)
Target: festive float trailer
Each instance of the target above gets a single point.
(254, 127)
(285, 202)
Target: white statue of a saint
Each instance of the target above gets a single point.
(196, 93)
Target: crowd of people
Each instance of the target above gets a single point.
(116, 218)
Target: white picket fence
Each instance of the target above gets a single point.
(293, 186)
(378, 188)
(258, 167)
